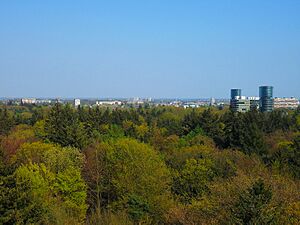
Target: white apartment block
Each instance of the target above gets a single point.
(287, 103)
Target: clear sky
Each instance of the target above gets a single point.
(156, 48)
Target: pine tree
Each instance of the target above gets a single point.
(63, 127)
(252, 206)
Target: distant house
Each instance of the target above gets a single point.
(287, 103)
(28, 101)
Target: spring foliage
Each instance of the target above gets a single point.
(148, 165)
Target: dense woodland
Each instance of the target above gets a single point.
(148, 165)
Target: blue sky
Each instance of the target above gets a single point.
(157, 48)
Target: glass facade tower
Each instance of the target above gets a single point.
(266, 101)
(235, 92)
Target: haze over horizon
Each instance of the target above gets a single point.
(158, 49)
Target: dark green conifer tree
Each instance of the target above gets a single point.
(252, 206)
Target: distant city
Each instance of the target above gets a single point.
(118, 102)
(265, 102)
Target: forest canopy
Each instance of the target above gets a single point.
(148, 165)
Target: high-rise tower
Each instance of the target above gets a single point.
(266, 102)
(235, 93)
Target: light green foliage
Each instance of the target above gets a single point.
(194, 166)
(26, 196)
(47, 186)
(56, 158)
(108, 132)
(142, 131)
(176, 158)
(71, 188)
(33, 193)
(39, 129)
(139, 170)
(191, 182)
(127, 168)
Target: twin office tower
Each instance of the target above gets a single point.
(264, 102)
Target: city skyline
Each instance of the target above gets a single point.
(157, 49)
(147, 97)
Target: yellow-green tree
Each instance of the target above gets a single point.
(45, 188)
(134, 178)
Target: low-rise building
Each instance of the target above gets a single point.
(28, 101)
(254, 102)
(98, 103)
(76, 102)
(287, 103)
(240, 104)
(43, 101)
